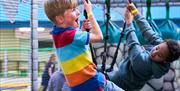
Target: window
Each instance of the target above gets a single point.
(45, 44)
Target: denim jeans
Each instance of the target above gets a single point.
(110, 86)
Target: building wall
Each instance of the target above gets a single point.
(18, 51)
(8, 41)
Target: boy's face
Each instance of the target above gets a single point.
(160, 52)
(71, 17)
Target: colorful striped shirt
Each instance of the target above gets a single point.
(76, 61)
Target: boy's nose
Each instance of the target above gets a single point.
(154, 53)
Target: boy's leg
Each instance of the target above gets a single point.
(66, 87)
(44, 88)
(110, 86)
(114, 76)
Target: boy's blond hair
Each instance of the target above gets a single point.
(55, 8)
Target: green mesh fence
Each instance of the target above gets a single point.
(15, 43)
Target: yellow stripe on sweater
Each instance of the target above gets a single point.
(77, 63)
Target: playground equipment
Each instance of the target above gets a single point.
(113, 36)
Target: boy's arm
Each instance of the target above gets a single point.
(50, 84)
(138, 56)
(131, 38)
(147, 31)
(135, 48)
(95, 32)
(144, 26)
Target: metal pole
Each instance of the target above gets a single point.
(34, 45)
(5, 63)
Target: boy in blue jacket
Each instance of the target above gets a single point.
(142, 65)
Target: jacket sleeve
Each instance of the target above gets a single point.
(50, 85)
(132, 42)
(138, 56)
(147, 32)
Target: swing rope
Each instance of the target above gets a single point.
(119, 43)
(104, 55)
(90, 45)
(117, 48)
(167, 9)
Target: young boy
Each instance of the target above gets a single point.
(72, 46)
(141, 65)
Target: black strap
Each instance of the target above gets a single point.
(167, 9)
(119, 43)
(148, 13)
(149, 84)
(116, 52)
(103, 67)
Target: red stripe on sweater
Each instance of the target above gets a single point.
(64, 38)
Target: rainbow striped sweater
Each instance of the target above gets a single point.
(75, 59)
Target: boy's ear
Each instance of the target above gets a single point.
(59, 19)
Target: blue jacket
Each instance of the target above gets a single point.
(137, 68)
(57, 82)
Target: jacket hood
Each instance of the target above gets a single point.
(159, 69)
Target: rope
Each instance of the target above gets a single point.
(148, 13)
(116, 52)
(167, 9)
(106, 37)
(90, 45)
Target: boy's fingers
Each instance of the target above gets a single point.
(128, 8)
(128, 2)
(84, 20)
(85, 2)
